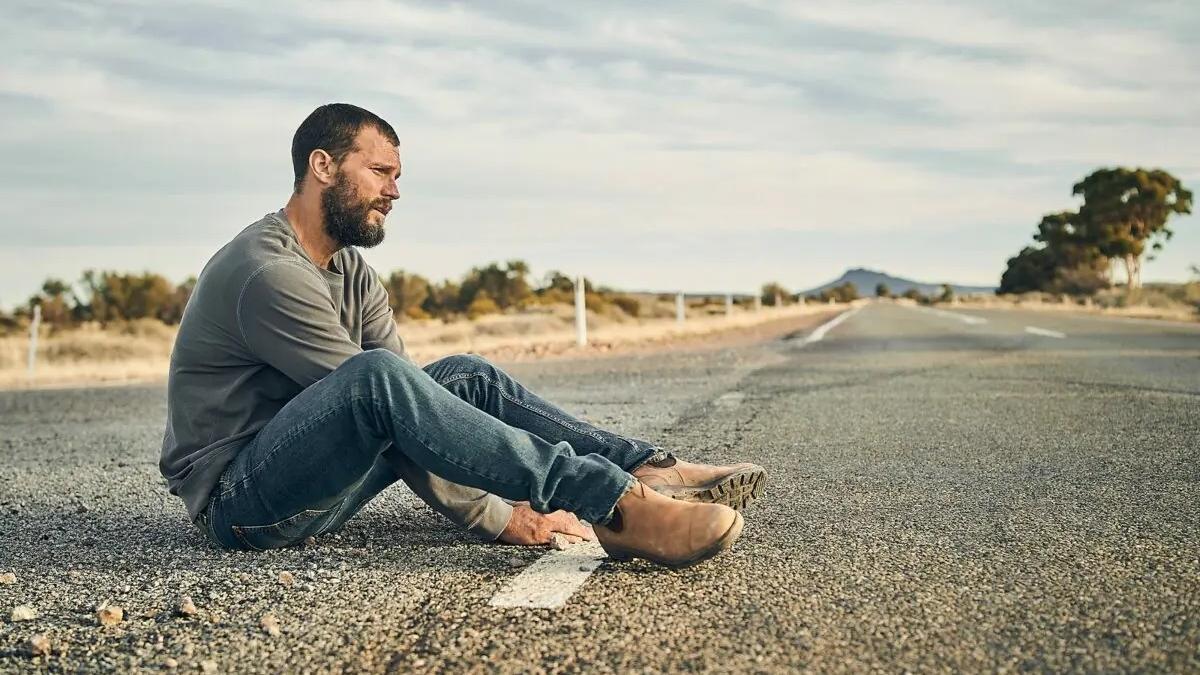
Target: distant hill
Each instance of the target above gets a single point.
(865, 281)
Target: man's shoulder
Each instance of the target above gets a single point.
(260, 244)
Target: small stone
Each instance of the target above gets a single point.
(310, 541)
(23, 613)
(38, 645)
(558, 542)
(208, 666)
(110, 615)
(585, 568)
(170, 663)
(514, 561)
(269, 624)
(82, 508)
(287, 578)
(186, 606)
(307, 587)
(8, 578)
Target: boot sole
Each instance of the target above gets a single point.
(721, 544)
(736, 490)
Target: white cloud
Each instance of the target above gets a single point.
(143, 123)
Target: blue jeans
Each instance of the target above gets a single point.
(345, 438)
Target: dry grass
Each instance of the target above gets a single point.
(136, 351)
(1174, 302)
(141, 351)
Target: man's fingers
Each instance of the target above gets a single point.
(567, 523)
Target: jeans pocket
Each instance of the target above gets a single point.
(287, 532)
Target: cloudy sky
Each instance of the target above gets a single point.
(692, 145)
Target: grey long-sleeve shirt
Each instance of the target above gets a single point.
(263, 323)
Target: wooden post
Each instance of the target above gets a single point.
(33, 337)
(580, 311)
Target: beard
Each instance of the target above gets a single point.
(347, 217)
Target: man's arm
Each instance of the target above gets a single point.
(379, 323)
(287, 319)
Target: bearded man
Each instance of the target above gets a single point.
(291, 400)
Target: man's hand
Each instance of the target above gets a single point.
(530, 528)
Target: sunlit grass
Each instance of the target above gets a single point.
(141, 351)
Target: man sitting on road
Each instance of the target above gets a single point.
(291, 401)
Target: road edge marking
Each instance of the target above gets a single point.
(819, 332)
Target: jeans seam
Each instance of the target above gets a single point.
(420, 439)
(288, 437)
(530, 408)
(237, 532)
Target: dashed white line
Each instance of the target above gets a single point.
(819, 334)
(1044, 332)
(550, 582)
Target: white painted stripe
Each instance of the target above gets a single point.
(731, 400)
(552, 579)
(1044, 332)
(965, 318)
(819, 334)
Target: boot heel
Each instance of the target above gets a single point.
(619, 556)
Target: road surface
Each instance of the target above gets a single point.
(950, 490)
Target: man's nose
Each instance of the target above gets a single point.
(391, 190)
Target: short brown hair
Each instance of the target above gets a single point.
(332, 128)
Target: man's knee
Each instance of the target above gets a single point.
(374, 358)
(456, 364)
(465, 361)
(375, 362)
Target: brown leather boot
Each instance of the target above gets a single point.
(734, 486)
(673, 533)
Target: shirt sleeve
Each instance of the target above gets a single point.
(288, 320)
(379, 322)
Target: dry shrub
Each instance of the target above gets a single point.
(628, 304)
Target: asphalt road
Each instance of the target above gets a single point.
(946, 494)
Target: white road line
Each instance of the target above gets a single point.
(731, 400)
(550, 582)
(965, 318)
(819, 334)
(1044, 332)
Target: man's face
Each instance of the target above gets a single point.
(363, 190)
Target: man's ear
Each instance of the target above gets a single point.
(322, 166)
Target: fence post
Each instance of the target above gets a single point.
(580, 312)
(729, 304)
(679, 308)
(758, 302)
(33, 336)
(778, 299)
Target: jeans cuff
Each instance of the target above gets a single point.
(612, 507)
(655, 454)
